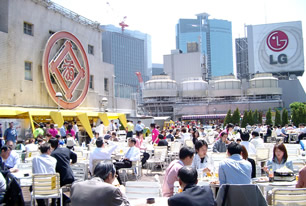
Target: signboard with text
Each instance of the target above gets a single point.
(276, 48)
(66, 69)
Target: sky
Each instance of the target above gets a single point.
(159, 17)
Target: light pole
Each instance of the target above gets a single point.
(58, 95)
(103, 103)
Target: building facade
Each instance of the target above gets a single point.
(242, 65)
(23, 38)
(215, 40)
(129, 52)
(157, 69)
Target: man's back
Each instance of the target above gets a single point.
(235, 170)
(257, 142)
(44, 164)
(193, 196)
(170, 177)
(100, 153)
(96, 192)
(63, 156)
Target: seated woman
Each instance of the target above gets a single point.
(245, 156)
(201, 160)
(279, 159)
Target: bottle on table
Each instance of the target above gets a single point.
(271, 175)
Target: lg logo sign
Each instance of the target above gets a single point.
(277, 41)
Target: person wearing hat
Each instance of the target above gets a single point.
(10, 133)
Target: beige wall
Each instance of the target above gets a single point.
(17, 47)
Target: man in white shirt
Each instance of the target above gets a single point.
(112, 126)
(101, 152)
(133, 154)
(100, 129)
(44, 164)
(245, 142)
(185, 135)
(31, 147)
(13, 160)
(256, 140)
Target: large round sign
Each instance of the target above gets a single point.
(277, 41)
(66, 69)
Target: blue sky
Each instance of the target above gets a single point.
(159, 17)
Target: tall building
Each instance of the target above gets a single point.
(215, 39)
(129, 52)
(242, 58)
(157, 69)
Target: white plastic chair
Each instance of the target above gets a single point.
(46, 186)
(142, 189)
(159, 158)
(289, 197)
(80, 171)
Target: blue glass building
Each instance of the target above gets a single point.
(216, 41)
(129, 52)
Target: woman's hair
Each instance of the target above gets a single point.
(244, 153)
(102, 170)
(69, 127)
(200, 143)
(51, 126)
(282, 148)
(194, 134)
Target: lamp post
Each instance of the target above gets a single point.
(103, 103)
(58, 95)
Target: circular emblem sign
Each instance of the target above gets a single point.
(66, 69)
(277, 41)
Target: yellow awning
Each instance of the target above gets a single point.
(122, 118)
(104, 118)
(86, 124)
(57, 118)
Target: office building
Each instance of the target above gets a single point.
(157, 69)
(215, 41)
(129, 52)
(242, 58)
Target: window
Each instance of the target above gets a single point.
(91, 81)
(90, 49)
(106, 84)
(28, 71)
(28, 28)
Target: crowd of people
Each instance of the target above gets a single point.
(57, 154)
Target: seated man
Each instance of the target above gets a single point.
(5, 153)
(13, 160)
(162, 141)
(44, 164)
(256, 140)
(220, 145)
(234, 169)
(98, 191)
(133, 154)
(31, 147)
(245, 136)
(185, 159)
(192, 194)
(100, 153)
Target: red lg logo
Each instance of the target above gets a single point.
(277, 41)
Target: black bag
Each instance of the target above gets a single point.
(13, 195)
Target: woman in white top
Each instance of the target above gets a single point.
(201, 160)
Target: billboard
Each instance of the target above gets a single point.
(276, 48)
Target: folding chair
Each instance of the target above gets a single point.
(142, 189)
(80, 171)
(46, 186)
(289, 196)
